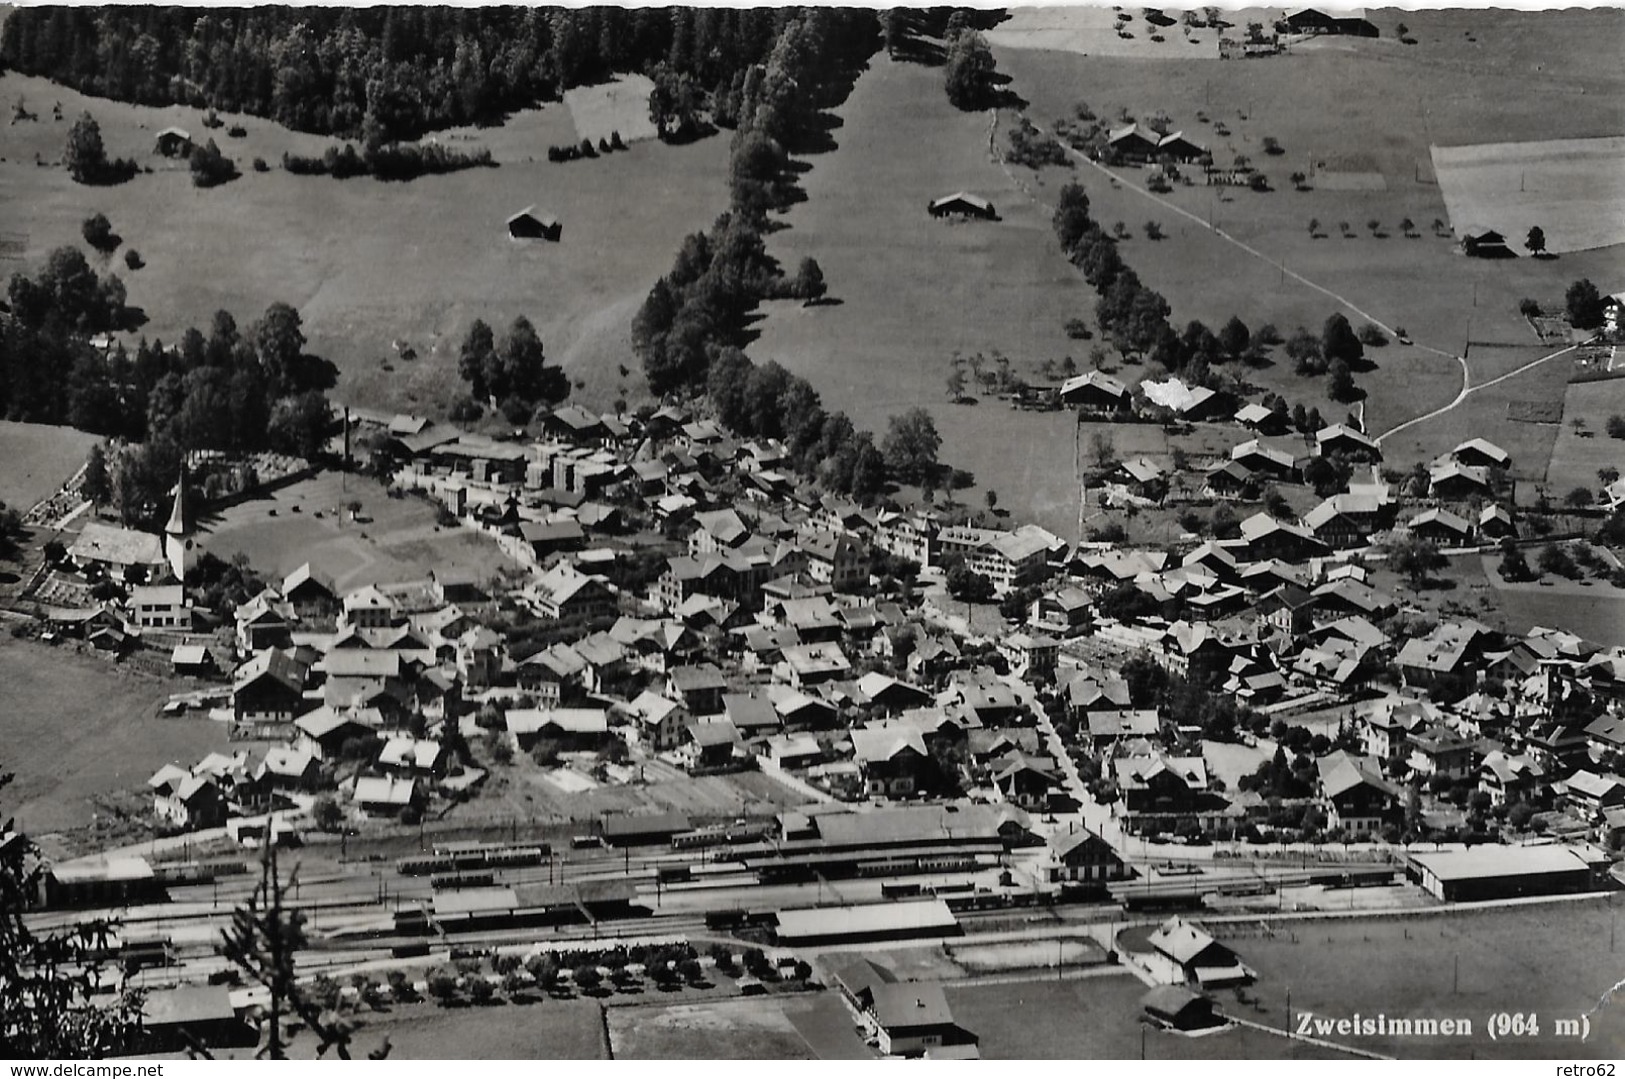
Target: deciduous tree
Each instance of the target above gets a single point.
(85, 156)
(968, 73)
(911, 445)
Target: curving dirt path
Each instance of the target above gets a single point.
(1467, 390)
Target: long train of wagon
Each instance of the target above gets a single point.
(772, 867)
(458, 858)
(722, 835)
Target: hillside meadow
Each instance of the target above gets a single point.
(39, 459)
(80, 733)
(369, 263)
(1343, 110)
(913, 290)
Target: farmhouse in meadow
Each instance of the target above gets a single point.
(963, 204)
(1485, 243)
(1096, 392)
(1177, 147)
(172, 142)
(1309, 21)
(1133, 142)
(527, 224)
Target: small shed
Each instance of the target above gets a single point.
(1179, 1008)
(963, 204)
(173, 142)
(527, 224)
(174, 1020)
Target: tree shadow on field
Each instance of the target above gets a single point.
(817, 139)
(913, 49)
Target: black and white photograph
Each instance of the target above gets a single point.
(813, 533)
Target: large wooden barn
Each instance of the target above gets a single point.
(527, 224)
(1310, 21)
(962, 204)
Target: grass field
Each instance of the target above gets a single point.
(75, 729)
(929, 288)
(620, 106)
(1580, 452)
(1595, 610)
(399, 542)
(914, 290)
(38, 460)
(1486, 414)
(1553, 959)
(1091, 31)
(1569, 188)
(415, 262)
(1097, 1018)
(804, 1026)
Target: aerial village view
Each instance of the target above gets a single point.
(821, 533)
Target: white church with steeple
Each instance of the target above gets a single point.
(179, 546)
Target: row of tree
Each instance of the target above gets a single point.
(387, 162)
(1134, 317)
(377, 74)
(692, 327)
(719, 277)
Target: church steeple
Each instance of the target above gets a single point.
(178, 544)
(177, 515)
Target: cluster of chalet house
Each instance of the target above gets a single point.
(757, 639)
(1541, 722)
